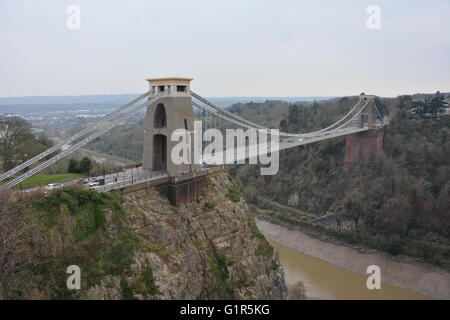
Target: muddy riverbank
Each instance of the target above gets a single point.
(425, 280)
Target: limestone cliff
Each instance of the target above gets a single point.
(138, 246)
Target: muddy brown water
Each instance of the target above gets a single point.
(323, 280)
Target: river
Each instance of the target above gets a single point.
(326, 281)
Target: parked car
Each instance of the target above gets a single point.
(94, 183)
(52, 186)
(88, 180)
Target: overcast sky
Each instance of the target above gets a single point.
(230, 47)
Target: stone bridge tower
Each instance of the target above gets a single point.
(363, 147)
(173, 111)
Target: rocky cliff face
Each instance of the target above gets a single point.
(209, 250)
(144, 248)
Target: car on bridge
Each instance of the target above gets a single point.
(94, 183)
(53, 186)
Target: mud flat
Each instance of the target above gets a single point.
(426, 280)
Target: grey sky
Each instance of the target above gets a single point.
(230, 48)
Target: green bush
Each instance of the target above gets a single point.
(126, 291)
(394, 246)
(146, 283)
(234, 194)
(84, 166)
(208, 206)
(263, 248)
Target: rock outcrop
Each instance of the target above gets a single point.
(209, 250)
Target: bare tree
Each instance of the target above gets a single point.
(14, 133)
(297, 291)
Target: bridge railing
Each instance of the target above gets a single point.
(143, 177)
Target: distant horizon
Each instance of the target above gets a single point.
(137, 93)
(119, 99)
(213, 97)
(223, 96)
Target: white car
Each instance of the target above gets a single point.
(94, 183)
(53, 186)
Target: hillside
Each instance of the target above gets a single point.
(398, 204)
(136, 246)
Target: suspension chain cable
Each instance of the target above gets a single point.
(106, 128)
(80, 134)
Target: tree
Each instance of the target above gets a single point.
(293, 114)
(283, 125)
(73, 166)
(85, 165)
(437, 105)
(14, 134)
(429, 108)
(297, 291)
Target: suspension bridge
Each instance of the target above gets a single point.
(171, 105)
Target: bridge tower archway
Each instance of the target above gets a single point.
(160, 117)
(159, 152)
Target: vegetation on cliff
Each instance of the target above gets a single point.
(64, 228)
